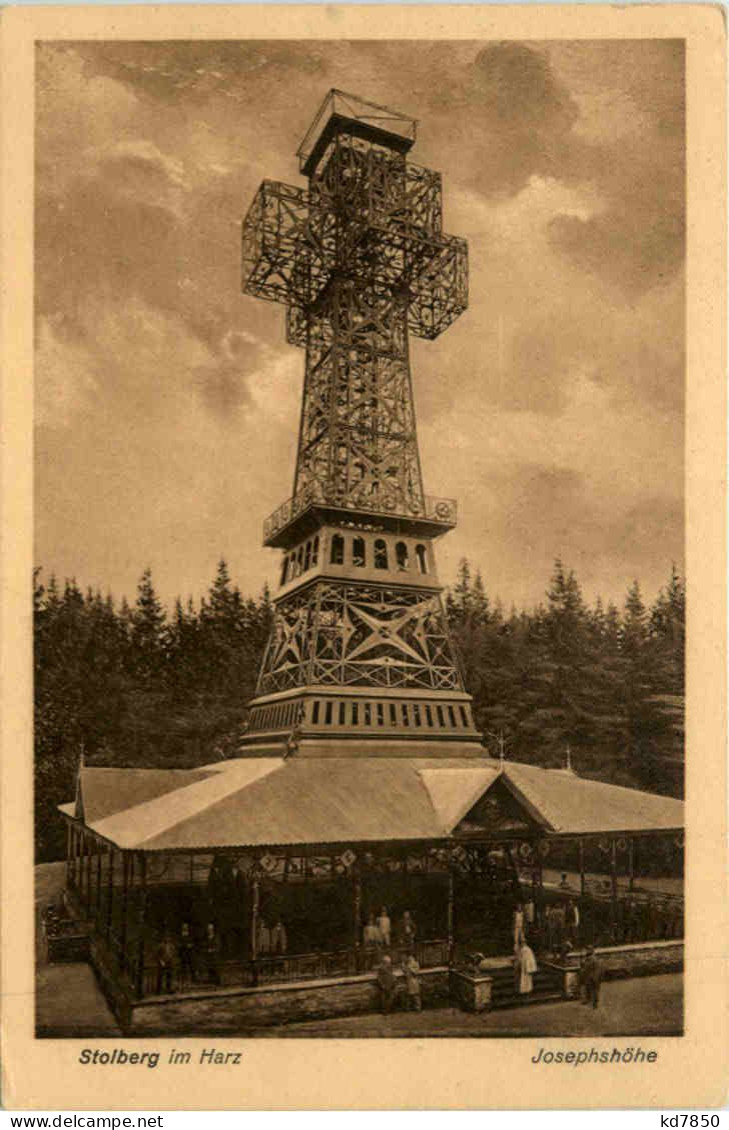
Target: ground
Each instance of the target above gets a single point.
(69, 1003)
(641, 1006)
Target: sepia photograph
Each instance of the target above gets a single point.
(358, 785)
(366, 447)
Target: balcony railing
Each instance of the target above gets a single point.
(292, 967)
(443, 511)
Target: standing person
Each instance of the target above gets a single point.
(166, 961)
(572, 922)
(590, 978)
(525, 966)
(518, 926)
(652, 920)
(411, 969)
(386, 983)
(186, 949)
(407, 931)
(385, 926)
(371, 935)
(212, 954)
(551, 928)
(263, 942)
(558, 926)
(528, 969)
(279, 938)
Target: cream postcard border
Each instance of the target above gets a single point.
(691, 1071)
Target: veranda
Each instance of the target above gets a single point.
(461, 897)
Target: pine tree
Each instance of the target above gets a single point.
(130, 687)
(147, 622)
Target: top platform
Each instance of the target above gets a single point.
(366, 119)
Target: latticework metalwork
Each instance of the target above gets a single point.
(360, 260)
(338, 634)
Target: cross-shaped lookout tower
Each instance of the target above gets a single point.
(359, 660)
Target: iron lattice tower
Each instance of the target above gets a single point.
(359, 660)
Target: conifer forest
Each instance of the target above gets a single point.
(141, 685)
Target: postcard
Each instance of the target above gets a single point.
(364, 587)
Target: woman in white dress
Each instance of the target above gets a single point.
(385, 927)
(526, 968)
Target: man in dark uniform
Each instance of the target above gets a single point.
(186, 947)
(386, 983)
(166, 960)
(212, 954)
(590, 978)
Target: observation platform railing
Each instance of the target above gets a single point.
(441, 512)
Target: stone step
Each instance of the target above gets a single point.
(547, 986)
(518, 1000)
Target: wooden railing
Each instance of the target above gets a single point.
(282, 968)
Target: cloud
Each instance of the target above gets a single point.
(65, 379)
(623, 141)
(169, 402)
(524, 116)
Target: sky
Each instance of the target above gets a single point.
(167, 401)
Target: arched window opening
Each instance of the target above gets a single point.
(315, 552)
(422, 558)
(380, 714)
(441, 719)
(380, 554)
(315, 712)
(307, 557)
(401, 556)
(285, 571)
(355, 714)
(342, 713)
(452, 716)
(393, 714)
(367, 714)
(328, 713)
(337, 555)
(416, 713)
(358, 552)
(300, 561)
(464, 716)
(405, 715)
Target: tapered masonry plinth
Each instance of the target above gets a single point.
(360, 659)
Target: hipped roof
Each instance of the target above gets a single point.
(250, 802)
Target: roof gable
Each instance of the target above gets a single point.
(498, 811)
(453, 791)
